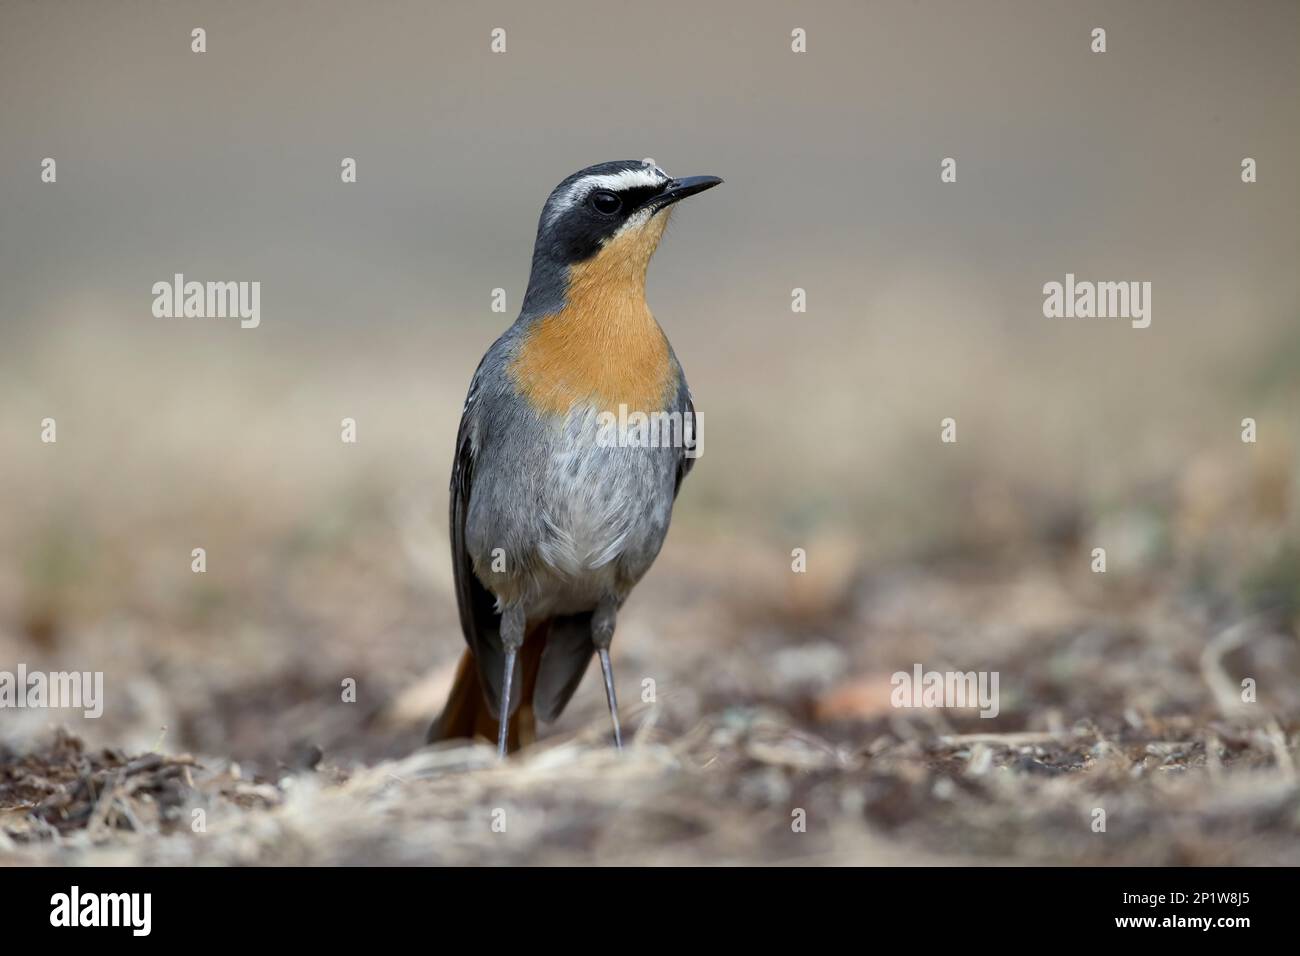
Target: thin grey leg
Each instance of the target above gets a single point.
(512, 638)
(602, 635)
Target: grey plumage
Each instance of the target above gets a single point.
(552, 524)
(575, 522)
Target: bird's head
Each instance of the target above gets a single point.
(611, 217)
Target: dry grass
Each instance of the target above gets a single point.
(1115, 711)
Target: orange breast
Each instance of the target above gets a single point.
(604, 347)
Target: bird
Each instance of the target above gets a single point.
(560, 495)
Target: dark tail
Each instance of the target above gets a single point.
(466, 714)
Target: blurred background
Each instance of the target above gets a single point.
(327, 561)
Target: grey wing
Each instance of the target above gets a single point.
(686, 462)
(479, 620)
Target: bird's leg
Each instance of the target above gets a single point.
(602, 634)
(512, 638)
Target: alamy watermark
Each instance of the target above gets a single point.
(179, 299)
(38, 690)
(635, 429)
(1074, 299)
(956, 689)
(133, 911)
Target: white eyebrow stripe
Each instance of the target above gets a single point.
(624, 179)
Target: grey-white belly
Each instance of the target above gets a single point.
(573, 519)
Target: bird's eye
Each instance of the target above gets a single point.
(605, 202)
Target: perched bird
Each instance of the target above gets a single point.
(557, 509)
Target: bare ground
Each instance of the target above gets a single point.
(771, 739)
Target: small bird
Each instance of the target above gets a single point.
(559, 502)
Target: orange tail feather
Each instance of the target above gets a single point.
(466, 714)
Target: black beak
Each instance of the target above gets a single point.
(678, 189)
